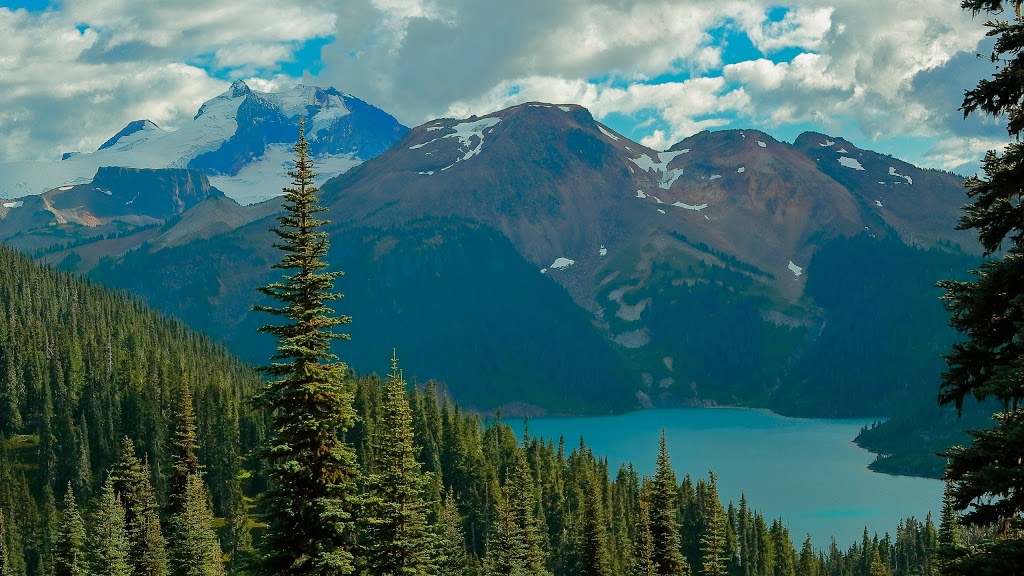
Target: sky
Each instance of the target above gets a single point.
(887, 75)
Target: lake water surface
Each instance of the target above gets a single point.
(809, 472)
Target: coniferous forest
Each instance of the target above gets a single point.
(130, 446)
(438, 491)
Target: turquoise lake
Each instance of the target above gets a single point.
(809, 472)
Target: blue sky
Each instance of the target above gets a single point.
(886, 74)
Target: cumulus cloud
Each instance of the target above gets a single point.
(875, 65)
(73, 76)
(882, 68)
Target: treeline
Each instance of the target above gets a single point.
(487, 503)
(82, 367)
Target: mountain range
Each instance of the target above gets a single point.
(241, 140)
(537, 260)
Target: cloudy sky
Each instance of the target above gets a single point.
(887, 74)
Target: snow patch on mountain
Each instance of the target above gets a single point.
(470, 136)
(827, 143)
(695, 207)
(608, 133)
(670, 155)
(264, 178)
(893, 172)
(562, 263)
(659, 165)
(741, 169)
(762, 144)
(850, 162)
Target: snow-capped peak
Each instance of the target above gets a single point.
(133, 128)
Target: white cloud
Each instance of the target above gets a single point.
(799, 28)
(959, 154)
(70, 90)
(876, 66)
(857, 65)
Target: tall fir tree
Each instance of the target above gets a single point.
(514, 546)
(666, 552)
(395, 539)
(185, 453)
(195, 549)
(70, 554)
(452, 557)
(986, 476)
(712, 541)
(596, 554)
(309, 505)
(131, 478)
(108, 538)
(643, 542)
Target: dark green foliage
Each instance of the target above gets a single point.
(395, 537)
(309, 505)
(5, 561)
(83, 367)
(987, 477)
(712, 541)
(108, 537)
(514, 546)
(70, 553)
(666, 545)
(643, 544)
(185, 453)
(596, 547)
(903, 332)
(452, 558)
(195, 549)
(131, 479)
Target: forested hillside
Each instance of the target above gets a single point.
(82, 367)
(95, 420)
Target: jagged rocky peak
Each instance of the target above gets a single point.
(239, 88)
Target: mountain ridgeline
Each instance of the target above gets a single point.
(499, 251)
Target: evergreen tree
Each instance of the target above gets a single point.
(195, 550)
(184, 455)
(108, 538)
(807, 565)
(596, 554)
(665, 554)
(309, 505)
(70, 558)
(989, 310)
(395, 537)
(643, 545)
(5, 563)
(452, 558)
(47, 533)
(131, 479)
(712, 542)
(950, 538)
(514, 548)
